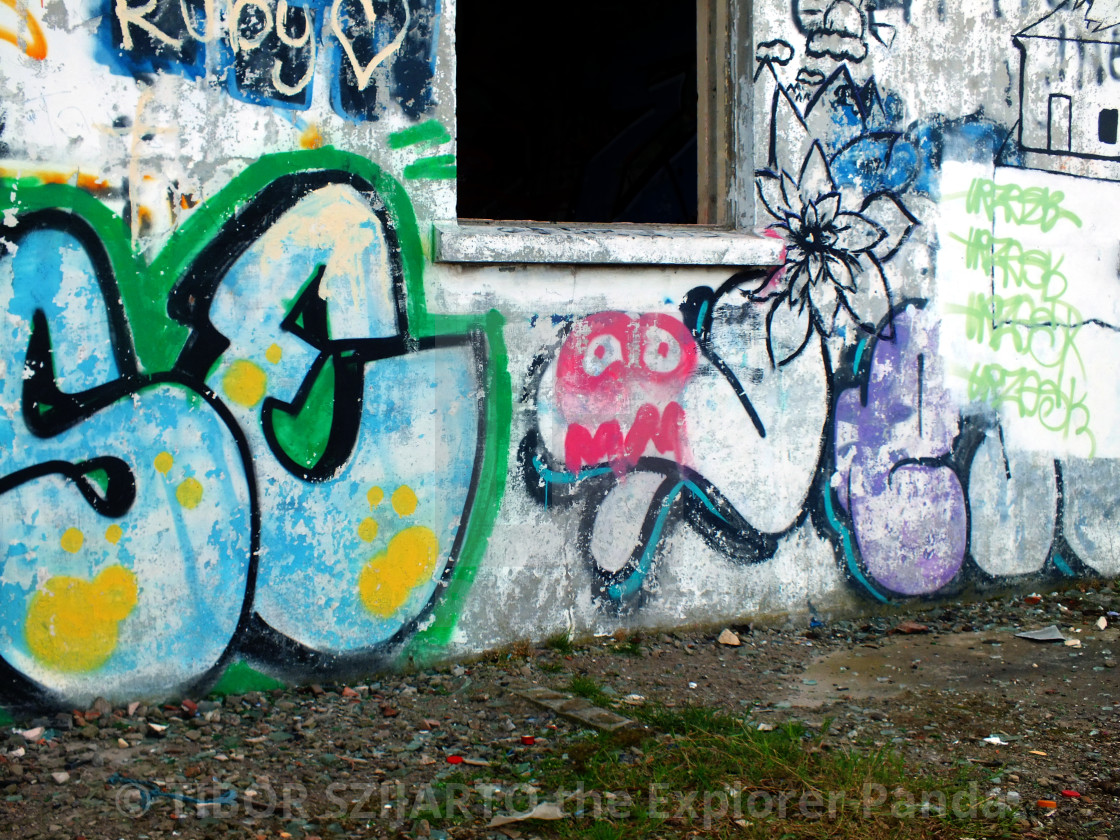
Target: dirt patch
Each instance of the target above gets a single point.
(1028, 720)
(956, 662)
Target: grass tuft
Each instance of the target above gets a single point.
(696, 771)
(561, 643)
(588, 688)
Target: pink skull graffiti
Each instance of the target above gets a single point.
(617, 378)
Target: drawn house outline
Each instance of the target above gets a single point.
(1064, 123)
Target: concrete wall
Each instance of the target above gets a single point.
(248, 418)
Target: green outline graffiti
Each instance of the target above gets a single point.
(158, 340)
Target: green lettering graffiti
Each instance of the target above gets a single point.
(1021, 206)
(1025, 313)
(1044, 331)
(1058, 407)
(1013, 265)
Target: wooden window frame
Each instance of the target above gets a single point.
(725, 181)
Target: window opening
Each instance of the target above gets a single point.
(583, 112)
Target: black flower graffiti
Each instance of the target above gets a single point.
(833, 259)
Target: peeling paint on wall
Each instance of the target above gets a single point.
(954, 422)
(297, 488)
(246, 421)
(266, 53)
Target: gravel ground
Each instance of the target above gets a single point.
(353, 761)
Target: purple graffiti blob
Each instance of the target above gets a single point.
(907, 506)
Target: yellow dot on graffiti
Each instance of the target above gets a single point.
(113, 534)
(274, 354)
(367, 530)
(163, 462)
(72, 623)
(409, 560)
(72, 540)
(375, 496)
(404, 501)
(189, 493)
(115, 593)
(245, 383)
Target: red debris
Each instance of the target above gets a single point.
(528, 740)
(454, 759)
(1071, 794)
(911, 627)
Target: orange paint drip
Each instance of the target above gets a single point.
(35, 48)
(93, 184)
(311, 138)
(90, 183)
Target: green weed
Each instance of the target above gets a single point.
(696, 771)
(561, 643)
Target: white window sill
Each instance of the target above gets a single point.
(486, 242)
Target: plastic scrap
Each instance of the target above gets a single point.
(150, 790)
(1046, 634)
(544, 811)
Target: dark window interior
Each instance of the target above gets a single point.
(1106, 126)
(582, 111)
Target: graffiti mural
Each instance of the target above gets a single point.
(92, 500)
(254, 414)
(963, 427)
(267, 53)
(632, 424)
(298, 488)
(929, 333)
(27, 36)
(353, 410)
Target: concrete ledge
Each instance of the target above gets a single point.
(533, 242)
